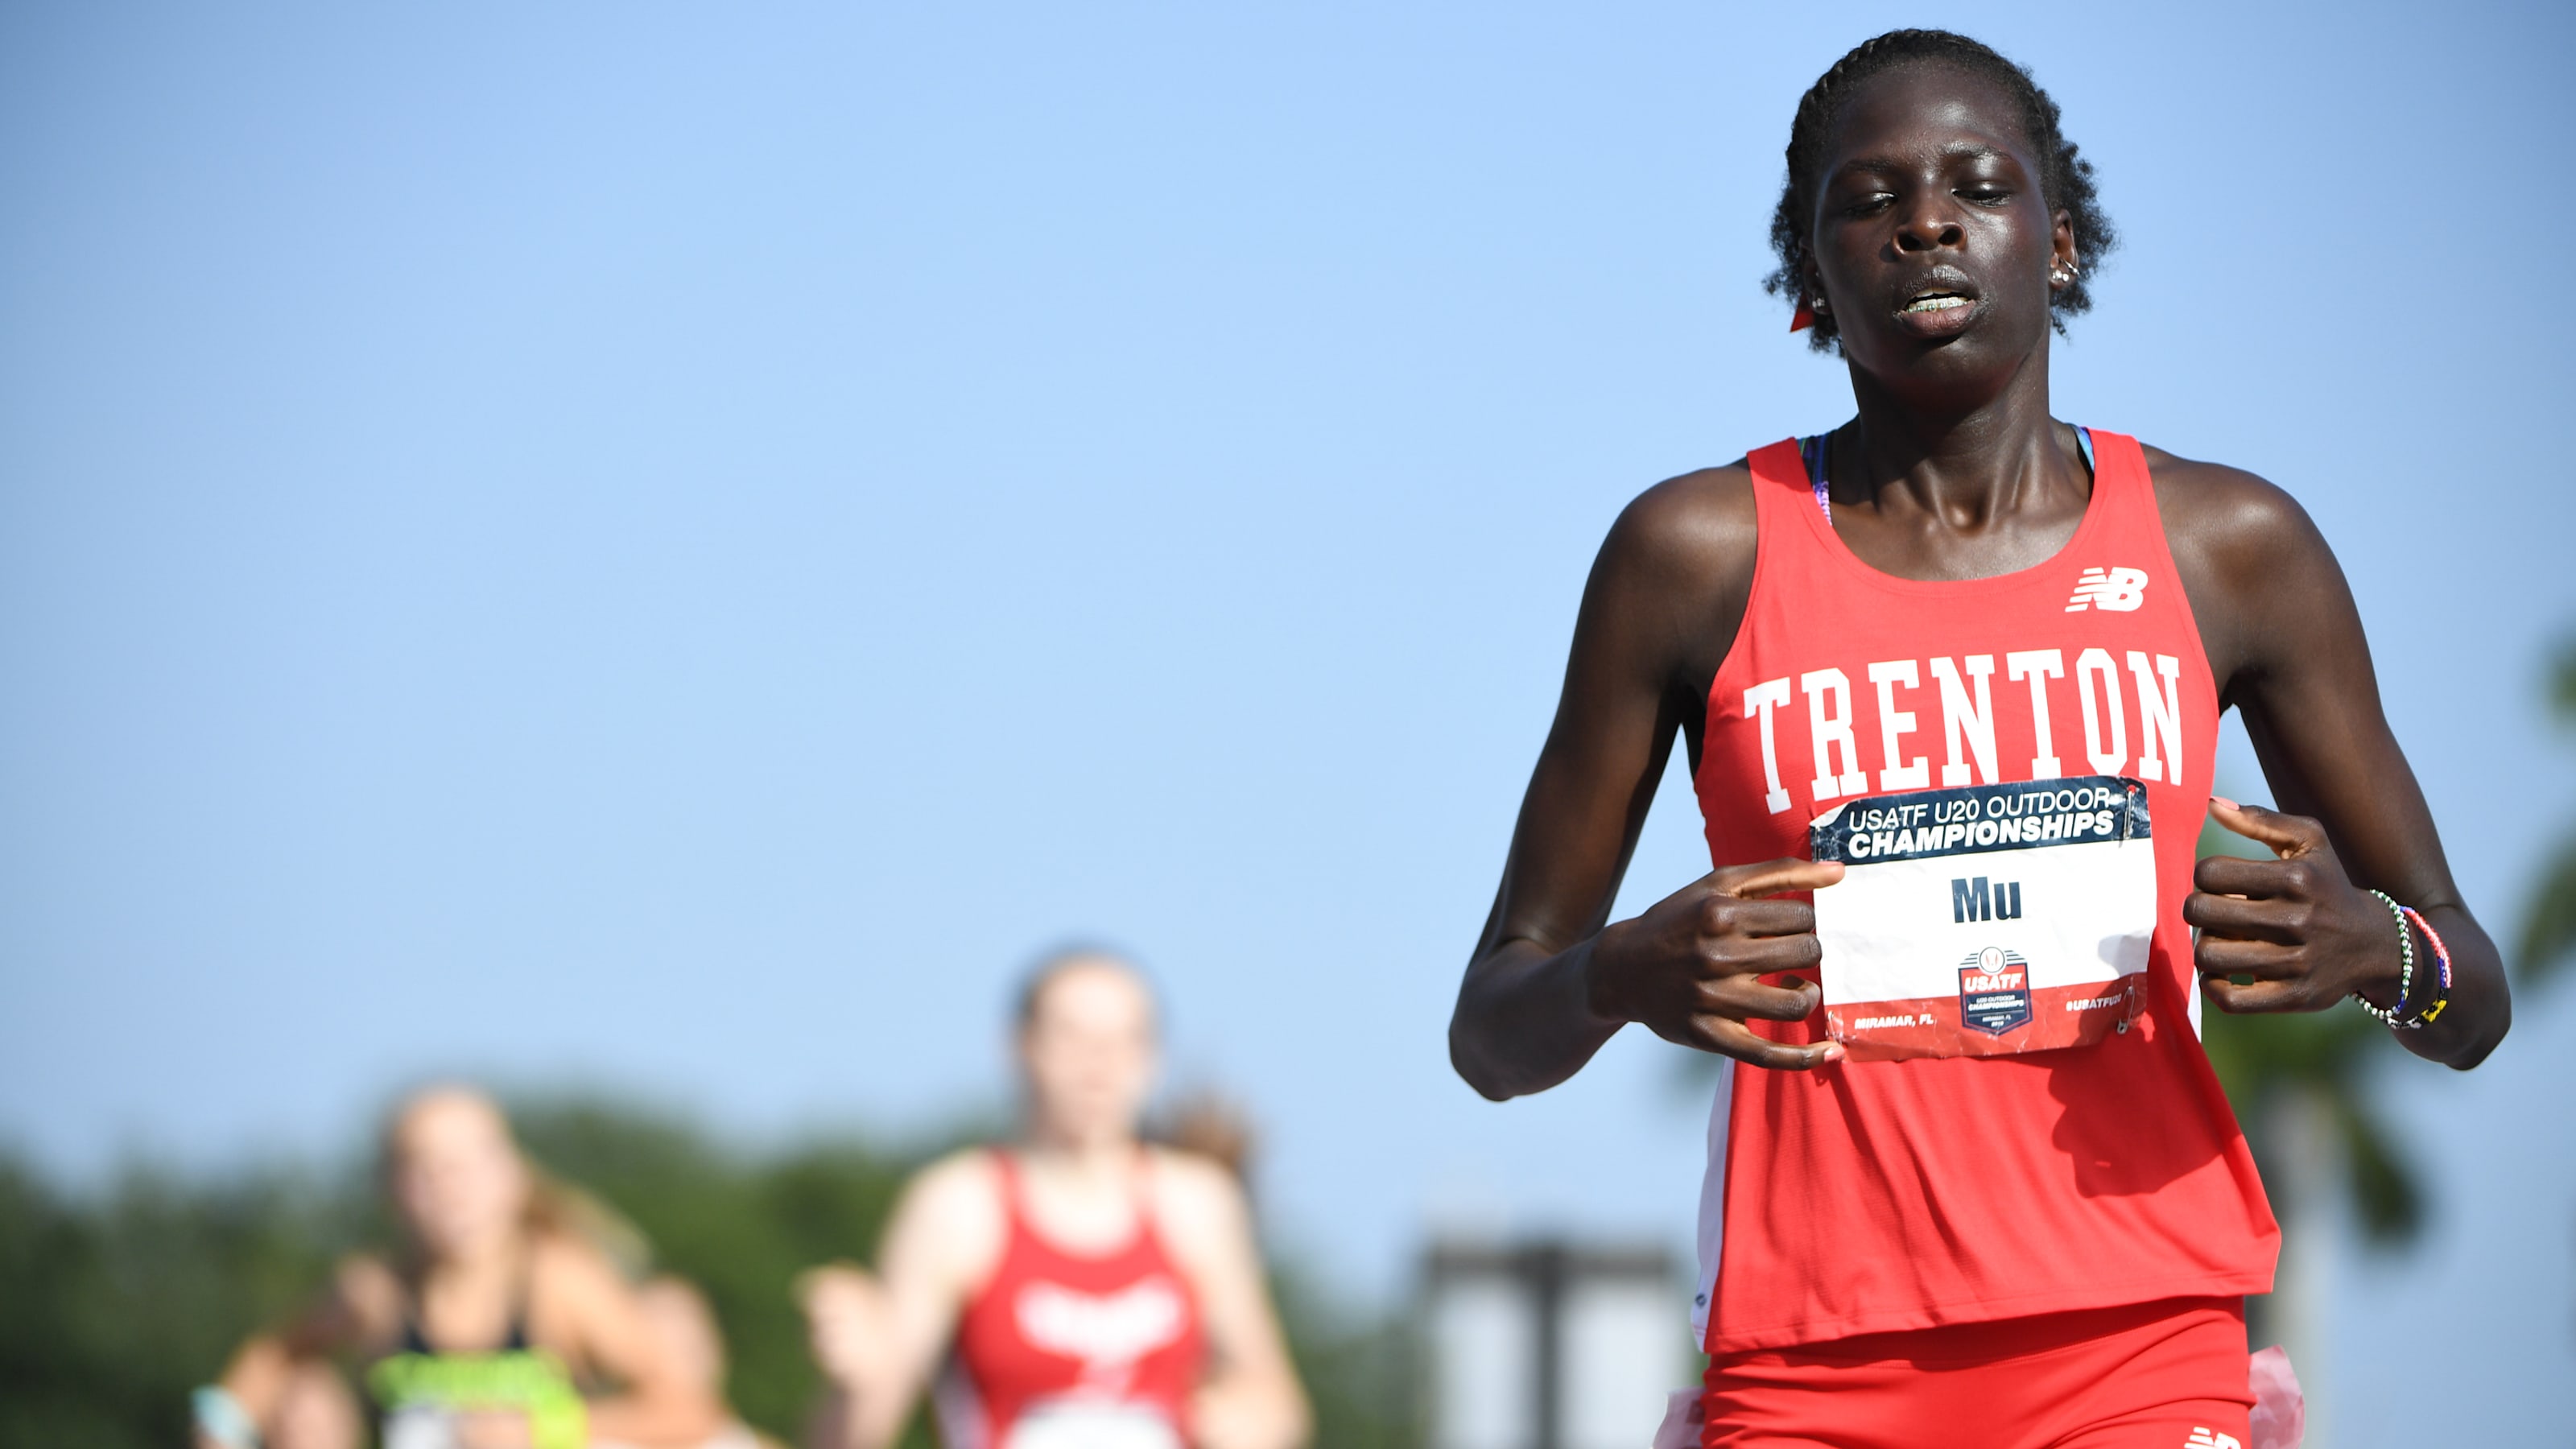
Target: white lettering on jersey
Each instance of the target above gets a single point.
(1759, 701)
(1961, 721)
(1831, 730)
(2039, 666)
(2088, 665)
(1837, 732)
(2159, 715)
(2113, 591)
(2205, 1438)
(1895, 724)
(1106, 1331)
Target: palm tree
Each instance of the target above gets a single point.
(2299, 1084)
(2309, 1067)
(2269, 1063)
(2548, 939)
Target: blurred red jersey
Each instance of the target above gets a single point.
(1062, 1348)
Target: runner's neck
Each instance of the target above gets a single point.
(1962, 466)
(1081, 1167)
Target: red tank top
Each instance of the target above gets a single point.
(1074, 1349)
(1882, 1195)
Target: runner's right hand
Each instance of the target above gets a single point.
(845, 1313)
(1687, 967)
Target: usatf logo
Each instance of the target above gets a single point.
(2210, 1439)
(1994, 991)
(2115, 591)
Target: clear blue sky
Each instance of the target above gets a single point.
(673, 546)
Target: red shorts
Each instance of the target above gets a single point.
(2169, 1375)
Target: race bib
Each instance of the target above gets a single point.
(1078, 1423)
(1986, 921)
(418, 1428)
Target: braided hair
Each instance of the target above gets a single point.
(2065, 183)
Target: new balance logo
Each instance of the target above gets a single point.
(2115, 591)
(2210, 1438)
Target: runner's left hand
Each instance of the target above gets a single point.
(2297, 924)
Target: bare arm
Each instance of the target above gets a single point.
(1251, 1398)
(1550, 981)
(256, 1378)
(359, 1308)
(2286, 644)
(878, 1342)
(596, 1315)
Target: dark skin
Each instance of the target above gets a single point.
(1952, 469)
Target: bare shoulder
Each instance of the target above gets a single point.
(576, 1296)
(1696, 526)
(1198, 1202)
(367, 1286)
(2263, 584)
(1668, 587)
(566, 1264)
(949, 1222)
(1194, 1182)
(2227, 514)
(964, 1183)
(577, 1300)
(366, 1298)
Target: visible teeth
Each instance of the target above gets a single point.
(1935, 304)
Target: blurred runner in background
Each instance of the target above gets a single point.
(483, 1334)
(1081, 1287)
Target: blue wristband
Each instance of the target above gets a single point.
(221, 1417)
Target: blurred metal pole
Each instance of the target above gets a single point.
(1544, 1266)
(2301, 1126)
(1548, 1344)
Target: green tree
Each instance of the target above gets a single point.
(740, 1227)
(1360, 1368)
(2323, 1056)
(2287, 1072)
(112, 1307)
(2548, 939)
(114, 1304)
(743, 1229)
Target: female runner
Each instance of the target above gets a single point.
(1950, 679)
(483, 1335)
(1086, 1291)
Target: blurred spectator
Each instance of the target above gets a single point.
(483, 1333)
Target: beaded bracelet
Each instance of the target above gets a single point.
(2441, 959)
(2405, 967)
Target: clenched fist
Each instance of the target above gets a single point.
(845, 1323)
(1687, 967)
